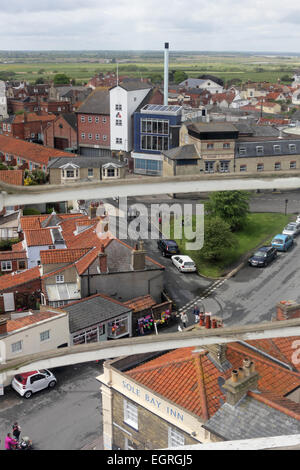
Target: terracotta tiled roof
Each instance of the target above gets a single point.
(140, 303)
(13, 325)
(33, 222)
(12, 280)
(32, 117)
(191, 379)
(12, 177)
(38, 237)
(29, 151)
(17, 246)
(10, 255)
(62, 256)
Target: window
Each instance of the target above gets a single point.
(277, 166)
(59, 108)
(260, 167)
(130, 414)
(8, 127)
(4, 127)
(292, 148)
(226, 145)
(97, 119)
(97, 136)
(118, 328)
(224, 166)
(45, 335)
(51, 247)
(209, 167)
(82, 135)
(118, 122)
(6, 266)
(104, 137)
(70, 173)
(209, 146)
(21, 265)
(118, 107)
(259, 150)
(32, 135)
(175, 438)
(90, 136)
(110, 172)
(154, 126)
(293, 165)
(118, 140)
(90, 119)
(243, 167)
(60, 278)
(277, 148)
(90, 335)
(16, 347)
(82, 119)
(90, 172)
(104, 119)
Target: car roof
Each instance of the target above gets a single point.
(280, 235)
(264, 248)
(170, 241)
(185, 258)
(28, 374)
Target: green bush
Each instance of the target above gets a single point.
(31, 211)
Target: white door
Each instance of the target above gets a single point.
(9, 302)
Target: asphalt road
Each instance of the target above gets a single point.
(67, 417)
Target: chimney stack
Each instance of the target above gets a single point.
(217, 354)
(102, 260)
(93, 210)
(287, 309)
(138, 257)
(166, 74)
(3, 326)
(241, 381)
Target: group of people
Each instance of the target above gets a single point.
(184, 318)
(12, 439)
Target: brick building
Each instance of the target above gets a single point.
(11, 261)
(61, 133)
(20, 290)
(26, 126)
(93, 125)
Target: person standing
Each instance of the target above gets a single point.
(196, 312)
(184, 319)
(16, 431)
(10, 443)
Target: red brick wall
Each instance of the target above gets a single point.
(25, 289)
(55, 107)
(65, 132)
(15, 265)
(101, 128)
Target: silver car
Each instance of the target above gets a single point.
(28, 383)
(292, 229)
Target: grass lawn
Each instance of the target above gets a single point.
(259, 230)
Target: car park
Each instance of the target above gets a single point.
(28, 383)
(168, 247)
(292, 229)
(263, 256)
(282, 242)
(184, 264)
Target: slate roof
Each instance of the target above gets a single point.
(251, 143)
(212, 127)
(71, 119)
(185, 152)
(131, 85)
(253, 130)
(92, 310)
(51, 221)
(96, 103)
(83, 162)
(251, 419)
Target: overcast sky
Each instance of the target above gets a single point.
(219, 25)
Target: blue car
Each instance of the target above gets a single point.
(282, 242)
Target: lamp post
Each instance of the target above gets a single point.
(286, 203)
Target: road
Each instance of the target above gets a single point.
(67, 417)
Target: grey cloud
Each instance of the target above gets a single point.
(23, 6)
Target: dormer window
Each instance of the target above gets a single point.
(277, 148)
(292, 148)
(242, 151)
(259, 150)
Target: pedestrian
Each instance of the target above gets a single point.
(16, 431)
(184, 319)
(10, 443)
(196, 312)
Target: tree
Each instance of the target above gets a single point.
(39, 81)
(180, 76)
(61, 79)
(231, 206)
(218, 238)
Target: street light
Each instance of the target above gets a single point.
(286, 203)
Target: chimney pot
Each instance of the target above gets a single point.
(241, 373)
(234, 375)
(207, 320)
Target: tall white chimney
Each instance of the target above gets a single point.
(166, 74)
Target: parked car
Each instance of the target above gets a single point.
(184, 263)
(292, 229)
(28, 383)
(168, 247)
(263, 256)
(282, 242)
(298, 219)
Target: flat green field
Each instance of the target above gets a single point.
(81, 67)
(259, 230)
